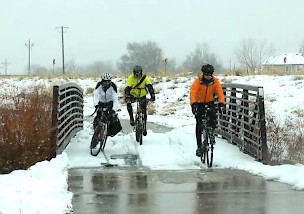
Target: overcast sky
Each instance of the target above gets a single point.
(101, 29)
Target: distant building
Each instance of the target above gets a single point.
(288, 62)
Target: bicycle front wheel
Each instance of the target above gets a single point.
(209, 155)
(139, 132)
(99, 139)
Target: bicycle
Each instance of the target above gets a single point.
(208, 137)
(100, 135)
(140, 123)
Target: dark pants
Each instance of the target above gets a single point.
(210, 117)
(143, 104)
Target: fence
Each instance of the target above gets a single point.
(243, 120)
(67, 114)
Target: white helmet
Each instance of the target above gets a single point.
(106, 76)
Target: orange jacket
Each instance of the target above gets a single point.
(200, 93)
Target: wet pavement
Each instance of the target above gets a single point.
(141, 191)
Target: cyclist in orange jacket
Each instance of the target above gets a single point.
(202, 94)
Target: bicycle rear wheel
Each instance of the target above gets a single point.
(99, 139)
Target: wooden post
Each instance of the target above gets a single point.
(54, 117)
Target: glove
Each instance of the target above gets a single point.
(127, 98)
(194, 108)
(152, 97)
(221, 105)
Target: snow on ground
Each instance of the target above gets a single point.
(44, 184)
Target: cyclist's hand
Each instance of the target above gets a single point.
(127, 98)
(221, 107)
(152, 98)
(194, 108)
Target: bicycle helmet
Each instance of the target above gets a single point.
(106, 77)
(137, 70)
(207, 69)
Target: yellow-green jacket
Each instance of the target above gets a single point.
(136, 90)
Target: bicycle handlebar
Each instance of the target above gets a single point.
(216, 108)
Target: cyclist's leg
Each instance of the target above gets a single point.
(96, 119)
(130, 110)
(198, 130)
(212, 121)
(95, 123)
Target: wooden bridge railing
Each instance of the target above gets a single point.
(67, 114)
(243, 120)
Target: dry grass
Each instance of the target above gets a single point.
(285, 140)
(25, 129)
(89, 91)
(151, 108)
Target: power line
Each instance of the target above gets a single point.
(5, 63)
(62, 27)
(29, 46)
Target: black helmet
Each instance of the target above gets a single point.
(137, 70)
(207, 69)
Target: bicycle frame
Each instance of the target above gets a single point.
(207, 137)
(139, 122)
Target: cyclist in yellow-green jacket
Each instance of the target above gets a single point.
(137, 86)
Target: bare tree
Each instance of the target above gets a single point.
(147, 54)
(252, 54)
(199, 56)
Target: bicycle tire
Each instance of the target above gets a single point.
(99, 139)
(204, 156)
(136, 130)
(139, 131)
(209, 154)
(140, 140)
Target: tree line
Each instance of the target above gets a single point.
(249, 55)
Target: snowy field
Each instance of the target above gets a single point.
(37, 189)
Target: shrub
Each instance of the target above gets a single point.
(25, 129)
(285, 140)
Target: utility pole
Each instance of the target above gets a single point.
(62, 47)
(29, 46)
(5, 63)
(53, 65)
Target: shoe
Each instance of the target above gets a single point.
(199, 151)
(212, 141)
(145, 130)
(132, 123)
